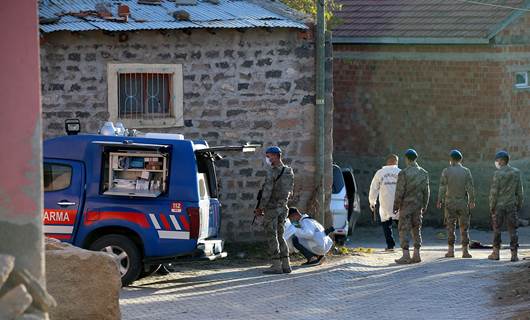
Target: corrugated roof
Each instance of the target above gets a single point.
(227, 14)
(362, 20)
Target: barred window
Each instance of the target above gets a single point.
(143, 95)
(521, 79)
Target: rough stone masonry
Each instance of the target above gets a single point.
(252, 86)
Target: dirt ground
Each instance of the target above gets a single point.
(515, 290)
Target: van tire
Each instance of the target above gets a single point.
(118, 244)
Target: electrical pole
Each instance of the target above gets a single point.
(320, 103)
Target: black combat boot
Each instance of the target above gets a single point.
(276, 267)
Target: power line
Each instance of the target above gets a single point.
(494, 5)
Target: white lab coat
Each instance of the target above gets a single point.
(310, 234)
(384, 186)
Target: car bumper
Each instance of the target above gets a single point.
(210, 249)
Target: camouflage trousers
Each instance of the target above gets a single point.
(462, 216)
(505, 215)
(274, 224)
(410, 224)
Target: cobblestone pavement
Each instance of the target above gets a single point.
(369, 286)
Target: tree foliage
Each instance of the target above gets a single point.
(309, 7)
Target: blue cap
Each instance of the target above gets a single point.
(274, 149)
(411, 154)
(502, 155)
(456, 154)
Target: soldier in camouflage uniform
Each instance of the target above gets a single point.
(277, 189)
(457, 196)
(410, 203)
(506, 199)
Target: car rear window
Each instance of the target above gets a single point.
(338, 180)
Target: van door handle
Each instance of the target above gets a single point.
(66, 203)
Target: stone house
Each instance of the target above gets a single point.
(433, 75)
(228, 71)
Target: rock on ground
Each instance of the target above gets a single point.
(14, 302)
(85, 284)
(6, 266)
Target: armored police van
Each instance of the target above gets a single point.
(145, 199)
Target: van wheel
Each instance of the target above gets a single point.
(125, 252)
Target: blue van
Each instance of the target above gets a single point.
(146, 200)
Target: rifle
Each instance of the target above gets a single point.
(444, 218)
(260, 195)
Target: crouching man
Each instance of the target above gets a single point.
(308, 237)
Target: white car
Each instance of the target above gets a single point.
(345, 204)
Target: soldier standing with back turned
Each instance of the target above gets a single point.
(410, 203)
(457, 196)
(277, 189)
(506, 199)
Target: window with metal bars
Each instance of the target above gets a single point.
(145, 95)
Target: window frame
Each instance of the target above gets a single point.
(522, 85)
(61, 165)
(176, 94)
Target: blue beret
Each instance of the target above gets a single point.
(456, 154)
(411, 154)
(273, 149)
(502, 155)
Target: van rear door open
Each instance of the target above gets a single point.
(210, 207)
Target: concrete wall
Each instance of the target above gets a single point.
(20, 128)
(254, 86)
(432, 98)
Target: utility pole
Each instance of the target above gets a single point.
(320, 103)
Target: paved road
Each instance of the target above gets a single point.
(370, 286)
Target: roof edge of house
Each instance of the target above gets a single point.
(407, 40)
(514, 16)
(289, 18)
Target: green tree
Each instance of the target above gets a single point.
(309, 7)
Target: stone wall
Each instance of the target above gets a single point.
(432, 98)
(254, 86)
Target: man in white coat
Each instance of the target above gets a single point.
(308, 237)
(383, 186)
